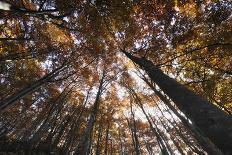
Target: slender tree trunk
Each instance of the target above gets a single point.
(134, 132)
(90, 149)
(45, 113)
(120, 141)
(173, 138)
(99, 137)
(160, 141)
(184, 138)
(44, 128)
(148, 147)
(83, 146)
(111, 147)
(162, 136)
(27, 90)
(61, 132)
(75, 126)
(107, 138)
(213, 122)
(52, 115)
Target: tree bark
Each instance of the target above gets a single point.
(27, 90)
(99, 139)
(160, 141)
(75, 126)
(107, 138)
(134, 132)
(212, 121)
(120, 142)
(207, 145)
(83, 146)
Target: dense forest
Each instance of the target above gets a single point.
(116, 77)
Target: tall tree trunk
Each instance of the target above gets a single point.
(172, 137)
(107, 138)
(36, 137)
(40, 118)
(99, 137)
(83, 146)
(111, 146)
(213, 122)
(160, 141)
(134, 132)
(148, 147)
(162, 136)
(89, 144)
(75, 126)
(61, 131)
(120, 142)
(29, 89)
(208, 146)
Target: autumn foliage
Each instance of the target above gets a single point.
(116, 77)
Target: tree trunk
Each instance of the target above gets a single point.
(160, 141)
(29, 89)
(207, 145)
(60, 132)
(134, 132)
(172, 137)
(75, 126)
(99, 138)
(120, 142)
(213, 122)
(107, 138)
(132, 135)
(83, 146)
(148, 147)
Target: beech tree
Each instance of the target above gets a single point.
(115, 77)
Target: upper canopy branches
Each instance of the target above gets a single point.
(53, 53)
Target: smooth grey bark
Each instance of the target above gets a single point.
(212, 121)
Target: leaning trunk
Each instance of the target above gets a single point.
(4, 104)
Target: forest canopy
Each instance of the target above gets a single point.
(116, 77)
